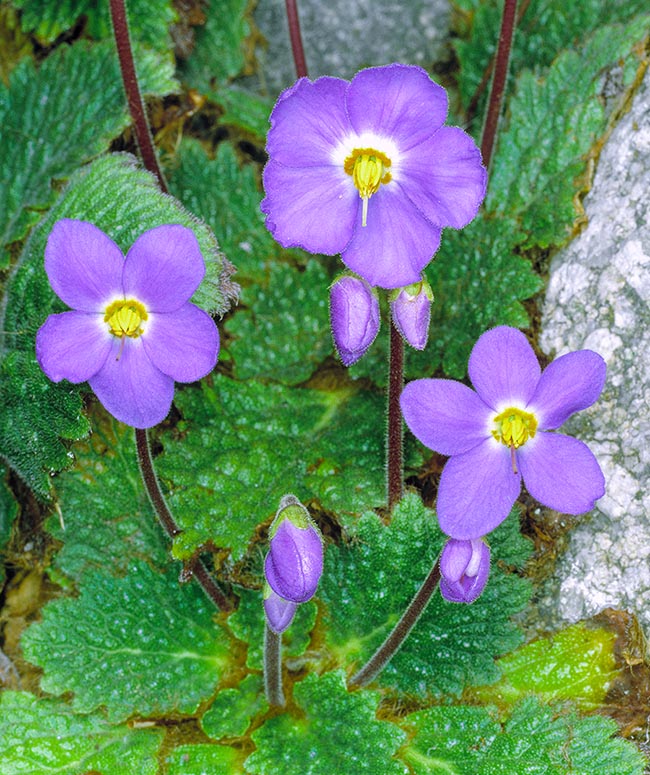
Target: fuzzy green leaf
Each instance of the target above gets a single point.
(108, 519)
(284, 331)
(8, 513)
(227, 196)
(218, 53)
(124, 201)
(39, 735)
(248, 624)
(203, 759)
(245, 110)
(553, 123)
(536, 740)
(576, 663)
(547, 28)
(367, 584)
(50, 135)
(141, 644)
(249, 444)
(231, 713)
(149, 20)
(338, 729)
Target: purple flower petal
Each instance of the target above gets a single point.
(477, 490)
(131, 388)
(561, 472)
(183, 344)
(163, 268)
(455, 558)
(83, 265)
(354, 314)
(279, 612)
(396, 244)
(314, 208)
(308, 122)
(445, 415)
(471, 583)
(572, 382)
(73, 345)
(503, 368)
(444, 178)
(294, 564)
(411, 314)
(398, 101)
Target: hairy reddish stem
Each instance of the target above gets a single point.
(395, 466)
(498, 81)
(273, 667)
(296, 39)
(132, 89)
(400, 632)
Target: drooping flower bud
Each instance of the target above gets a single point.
(464, 569)
(410, 308)
(279, 612)
(354, 316)
(294, 564)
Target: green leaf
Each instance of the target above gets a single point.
(547, 28)
(284, 331)
(149, 20)
(124, 201)
(218, 53)
(245, 110)
(248, 624)
(553, 123)
(338, 729)
(108, 519)
(141, 644)
(368, 582)
(40, 735)
(203, 759)
(576, 663)
(249, 444)
(536, 740)
(227, 196)
(50, 134)
(231, 713)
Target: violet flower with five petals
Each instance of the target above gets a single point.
(499, 433)
(132, 330)
(367, 169)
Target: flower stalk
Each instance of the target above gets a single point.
(395, 465)
(296, 38)
(134, 97)
(273, 667)
(167, 521)
(498, 81)
(400, 632)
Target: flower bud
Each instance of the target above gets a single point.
(354, 315)
(464, 570)
(410, 309)
(279, 612)
(294, 564)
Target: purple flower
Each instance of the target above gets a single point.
(294, 564)
(279, 612)
(354, 314)
(410, 309)
(367, 169)
(464, 570)
(499, 434)
(131, 331)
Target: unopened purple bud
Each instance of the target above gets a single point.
(354, 315)
(464, 570)
(294, 564)
(279, 612)
(410, 309)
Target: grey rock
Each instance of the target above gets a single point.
(598, 298)
(340, 37)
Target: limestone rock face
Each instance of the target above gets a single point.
(599, 298)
